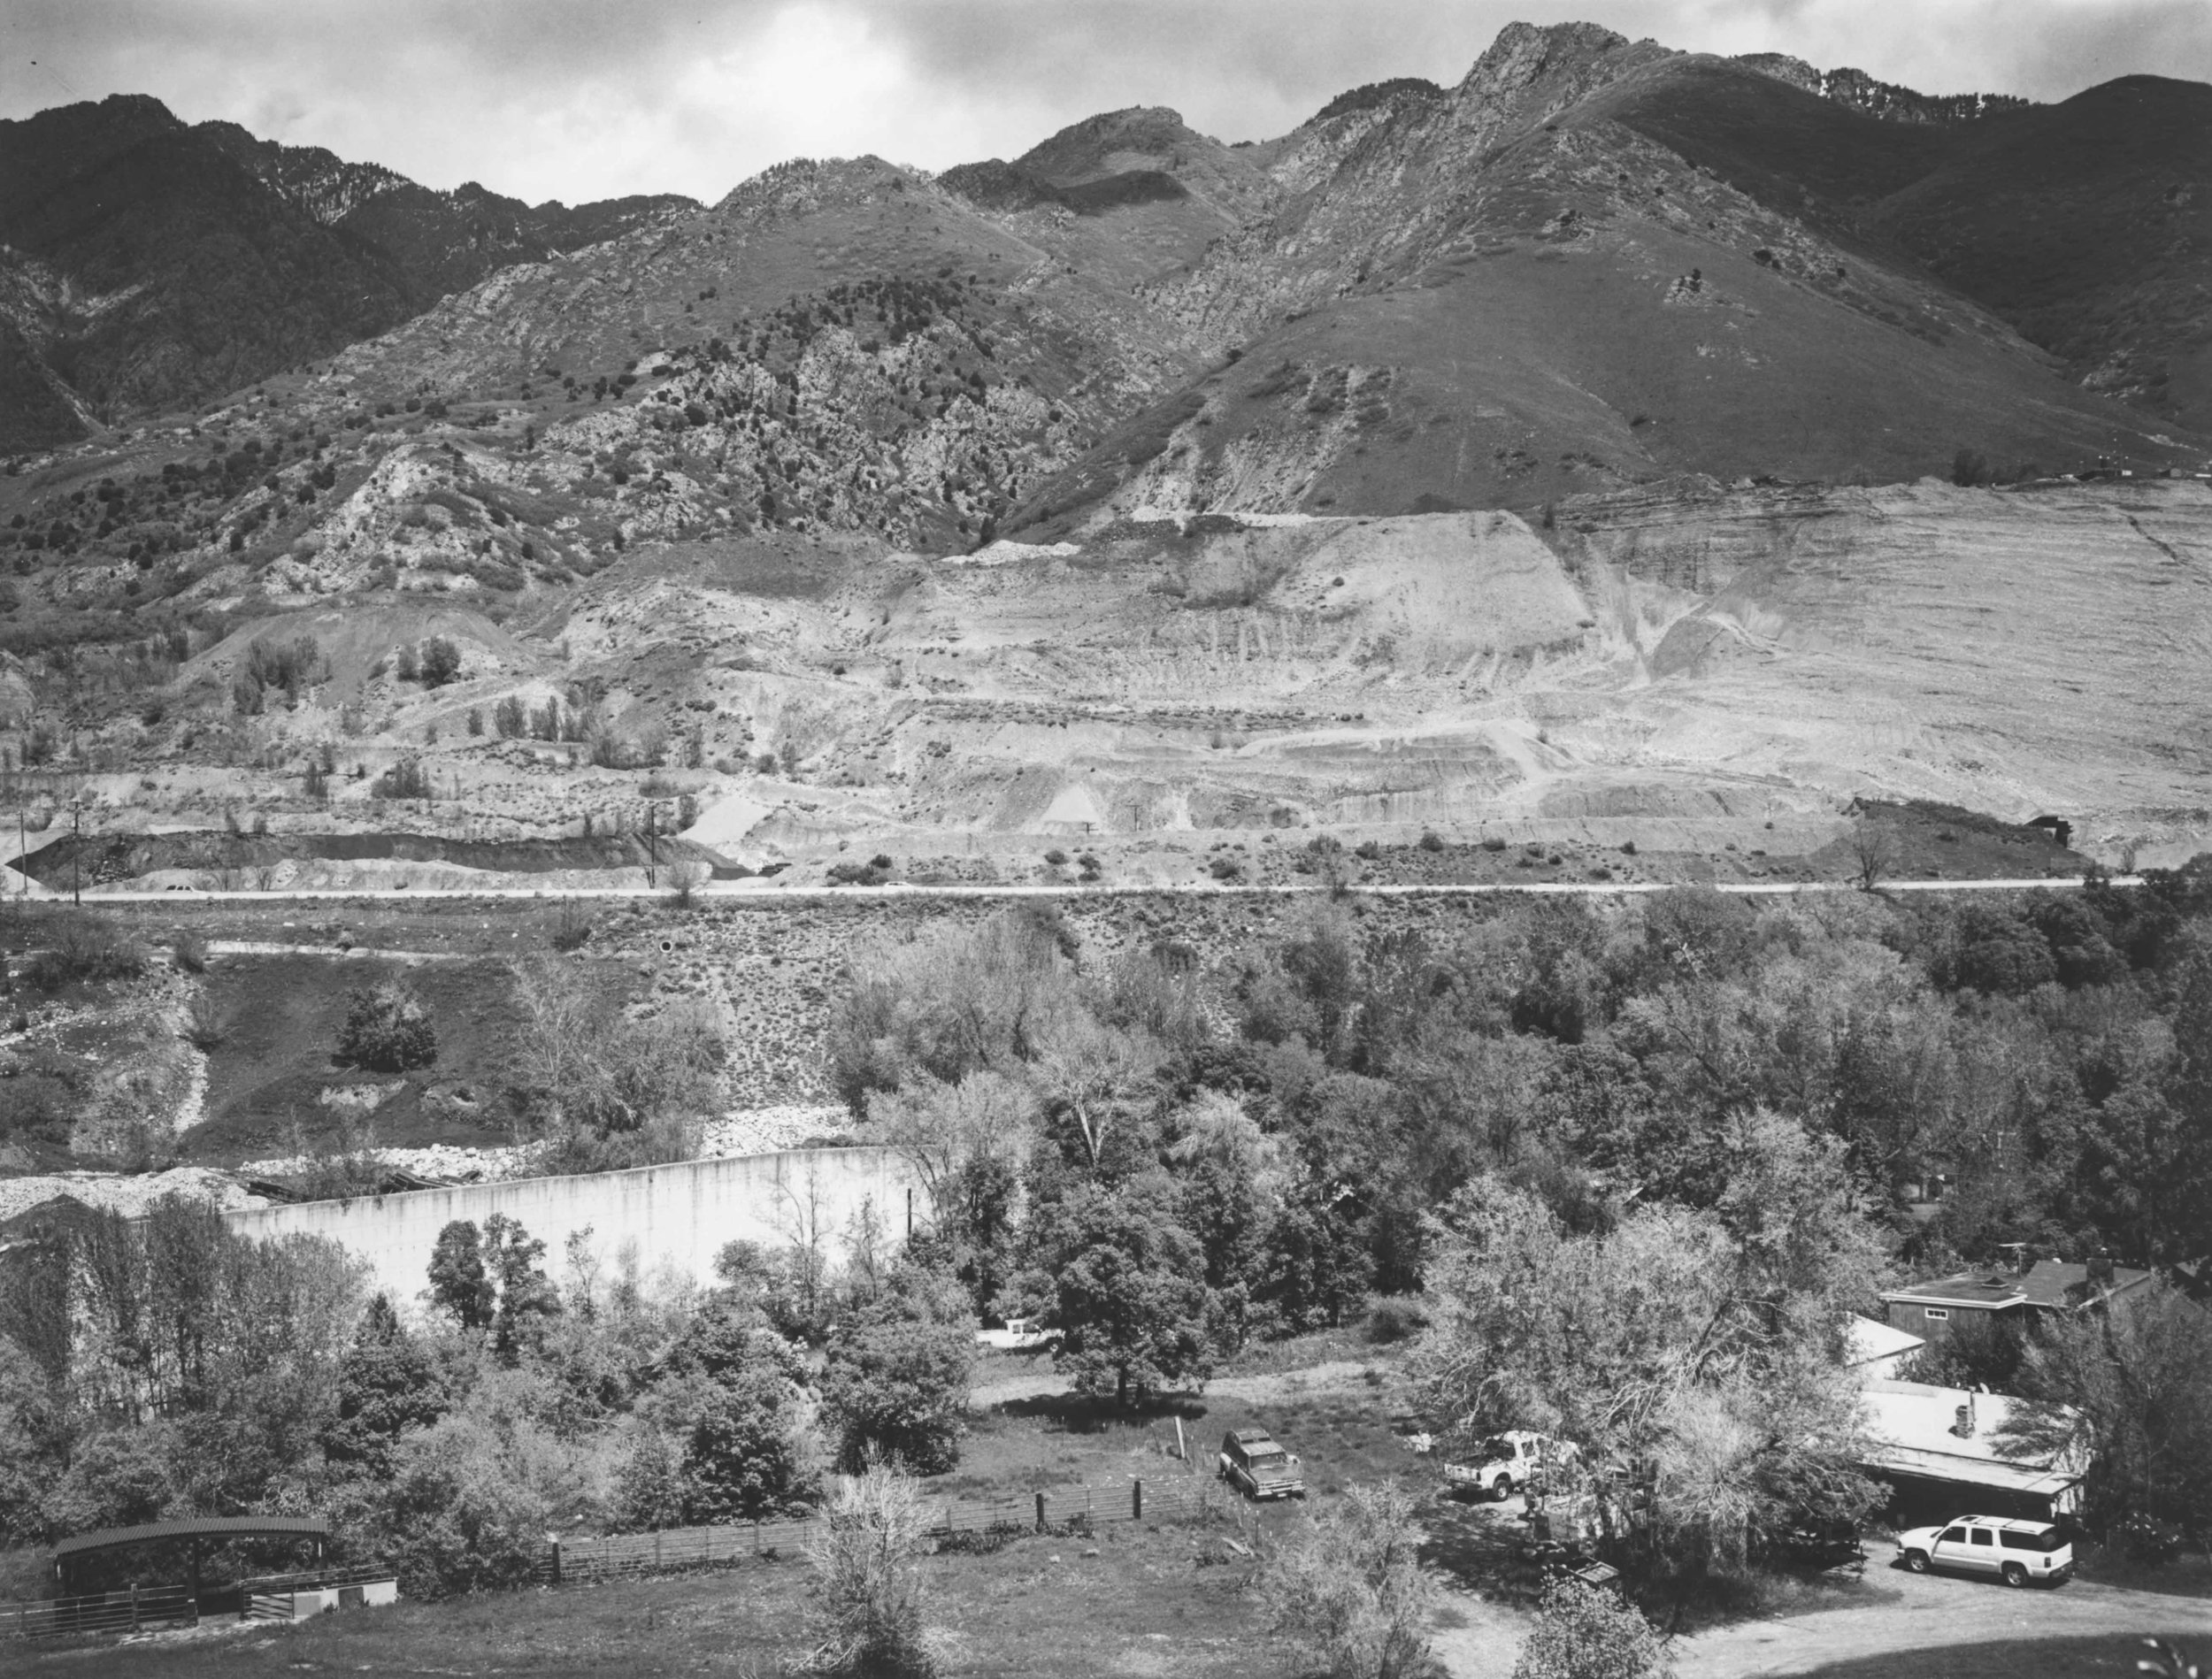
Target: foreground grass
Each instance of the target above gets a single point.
(1135, 1600)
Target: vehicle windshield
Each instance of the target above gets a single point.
(1268, 1456)
(1496, 1446)
(2048, 1539)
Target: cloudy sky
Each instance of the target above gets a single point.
(581, 99)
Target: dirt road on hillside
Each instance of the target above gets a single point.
(1927, 1612)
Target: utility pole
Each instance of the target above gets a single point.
(76, 846)
(652, 853)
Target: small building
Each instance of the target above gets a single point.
(2014, 1294)
(1939, 1447)
(1875, 1351)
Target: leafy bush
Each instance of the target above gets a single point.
(82, 947)
(1395, 1320)
(2148, 1539)
(388, 1030)
(896, 1389)
(440, 662)
(1589, 1633)
(1352, 1586)
(405, 779)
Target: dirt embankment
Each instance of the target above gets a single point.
(101, 859)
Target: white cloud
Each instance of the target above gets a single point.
(580, 99)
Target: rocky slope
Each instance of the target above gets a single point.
(731, 487)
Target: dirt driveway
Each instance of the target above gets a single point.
(1909, 1611)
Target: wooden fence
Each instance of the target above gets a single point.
(100, 1613)
(1063, 1509)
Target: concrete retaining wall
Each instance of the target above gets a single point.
(676, 1215)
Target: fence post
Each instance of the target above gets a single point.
(1040, 1513)
(656, 1550)
(1136, 1500)
(755, 1537)
(134, 1605)
(557, 1560)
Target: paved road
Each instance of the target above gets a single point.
(768, 892)
(1916, 1612)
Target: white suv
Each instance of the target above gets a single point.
(2018, 1553)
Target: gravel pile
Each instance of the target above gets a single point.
(127, 1194)
(766, 1130)
(752, 1131)
(448, 1162)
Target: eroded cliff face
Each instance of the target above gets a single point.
(1708, 660)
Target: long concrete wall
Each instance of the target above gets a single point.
(678, 1217)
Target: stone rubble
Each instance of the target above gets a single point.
(753, 1131)
(127, 1194)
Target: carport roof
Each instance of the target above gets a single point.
(214, 1527)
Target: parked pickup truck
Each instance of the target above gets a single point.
(1504, 1463)
(2020, 1553)
(1020, 1335)
(1252, 1462)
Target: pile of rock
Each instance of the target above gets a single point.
(448, 1163)
(127, 1194)
(766, 1130)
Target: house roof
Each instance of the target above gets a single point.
(1993, 1291)
(1866, 1339)
(1908, 1432)
(2052, 1285)
(2054, 1282)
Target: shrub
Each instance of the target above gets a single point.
(206, 1024)
(1970, 467)
(2149, 1540)
(190, 951)
(1589, 1633)
(387, 1029)
(83, 948)
(405, 779)
(571, 928)
(898, 1391)
(867, 1552)
(440, 662)
(1431, 840)
(1352, 1587)
(1395, 1320)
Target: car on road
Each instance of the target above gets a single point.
(1254, 1463)
(2020, 1553)
(1505, 1462)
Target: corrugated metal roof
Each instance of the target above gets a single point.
(212, 1527)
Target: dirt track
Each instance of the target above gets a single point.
(1934, 1612)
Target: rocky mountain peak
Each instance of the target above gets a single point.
(1525, 53)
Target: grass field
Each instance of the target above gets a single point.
(1134, 1601)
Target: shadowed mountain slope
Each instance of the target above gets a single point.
(150, 263)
